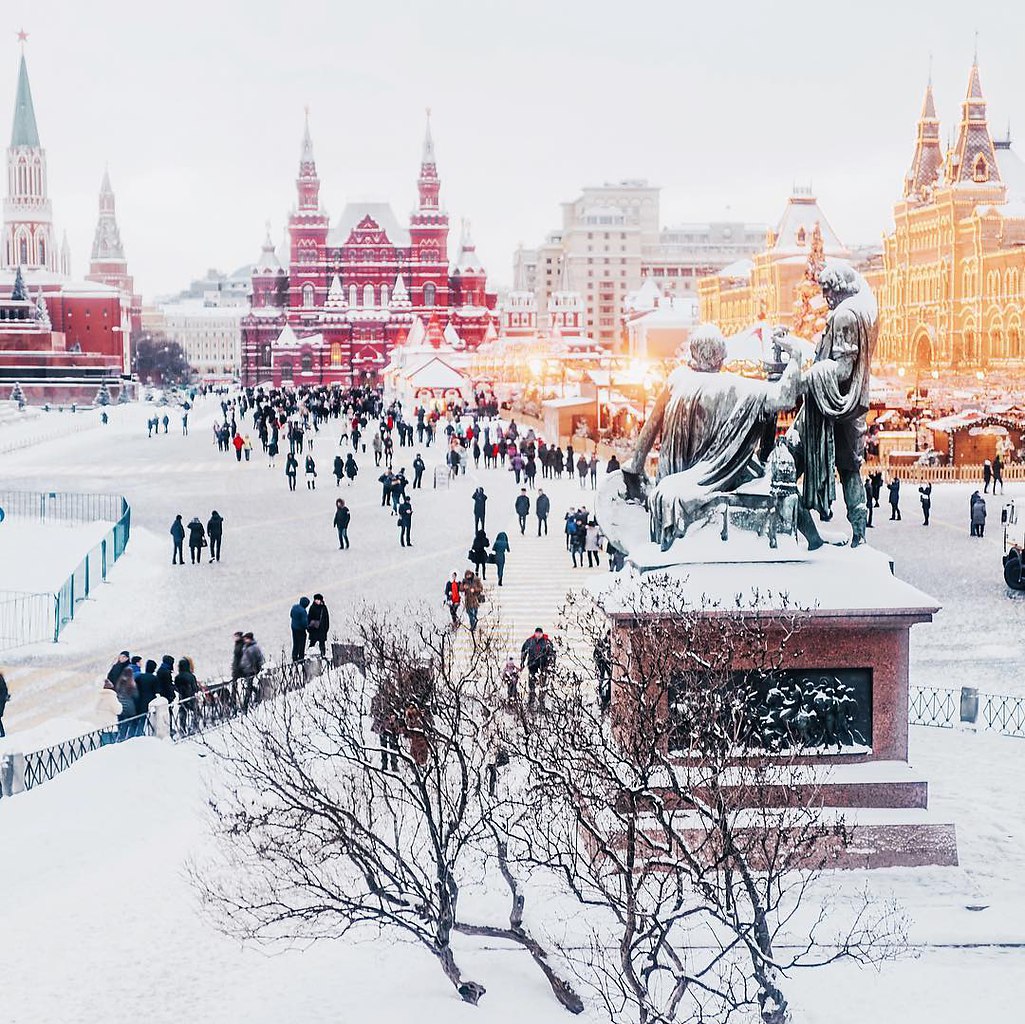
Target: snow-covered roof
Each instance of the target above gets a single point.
(739, 268)
(436, 373)
(678, 313)
(647, 296)
(798, 222)
(1012, 171)
(51, 282)
(380, 213)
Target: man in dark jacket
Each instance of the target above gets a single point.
(894, 488)
(117, 668)
(300, 622)
(197, 540)
(341, 523)
(480, 504)
(542, 507)
(165, 678)
(418, 470)
(925, 497)
(178, 536)
(538, 654)
(5, 696)
(523, 509)
(405, 523)
(320, 622)
(214, 530)
(238, 644)
(147, 685)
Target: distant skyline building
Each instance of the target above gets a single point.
(61, 337)
(331, 308)
(611, 241)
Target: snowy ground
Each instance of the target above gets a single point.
(38, 557)
(94, 861)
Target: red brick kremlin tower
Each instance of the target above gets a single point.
(330, 309)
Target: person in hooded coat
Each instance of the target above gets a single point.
(300, 621)
(351, 469)
(146, 682)
(339, 470)
(178, 536)
(215, 530)
(501, 549)
(479, 553)
(319, 623)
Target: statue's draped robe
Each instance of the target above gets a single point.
(711, 434)
(831, 421)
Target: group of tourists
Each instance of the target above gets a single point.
(199, 538)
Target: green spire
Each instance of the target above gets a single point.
(24, 132)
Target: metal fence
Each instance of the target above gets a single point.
(68, 508)
(944, 474)
(947, 709)
(212, 707)
(33, 618)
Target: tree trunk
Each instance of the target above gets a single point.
(469, 991)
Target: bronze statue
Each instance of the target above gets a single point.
(829, 432)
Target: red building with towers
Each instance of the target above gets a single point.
(346, 294)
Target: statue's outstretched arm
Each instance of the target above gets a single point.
(646, 440)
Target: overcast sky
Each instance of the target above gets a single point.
(197, 107)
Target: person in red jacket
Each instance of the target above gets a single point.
(453, 598)
(239, 443)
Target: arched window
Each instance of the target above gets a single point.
(368, 295)
(430, 294)
(801, 236)
(307, 362)
(286, 369)
(42, 252)
(308, 296)
(23, 250)
(265, 355)
(384, 295)
(336, 354)
(353, 296)
(980, 172)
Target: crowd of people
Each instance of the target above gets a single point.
(199, 538)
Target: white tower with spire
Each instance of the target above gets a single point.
(28, 236)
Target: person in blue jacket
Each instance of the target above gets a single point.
(300, 622)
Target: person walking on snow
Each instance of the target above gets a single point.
(452, 598)
(178, 536)
(299, 621)
(418, 471)
(405, 523)
(473, 598)
(523, 509)
(239, 443)
(479, 553)
(542, 506)
(894, 488)
(339, 470)
(480, 502)
(351, 469)
(501, 549)
(341, 523)
(197, 540)
(311, 474)
(214, 531)
(291, 470)
(925, 497)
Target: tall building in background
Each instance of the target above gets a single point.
(951, 279)
(331, 307)
(108, 265)
(60, 338)
(611, 241)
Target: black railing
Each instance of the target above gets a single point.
(946, 709)
(213, 706)
(930, 706)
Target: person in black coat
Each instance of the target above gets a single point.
(5, 696)
(405, 523)
(351, 469)
(925, 496)
(418, 471)
(114, 673)
(147, 685)
(165, 678)
(214, 530)
(341, 523)
(480, 504)
(339, 470)
(320, 622)
(479, 553)
(197, 540)
(542, 507)
(894, 488)
(523, 509)
(178, 536)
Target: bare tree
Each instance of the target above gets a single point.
(368, 799)
(667, 786)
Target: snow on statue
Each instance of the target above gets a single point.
(717, 431)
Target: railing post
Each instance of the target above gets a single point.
(12, 773)
(159, 717)
(969, 707)
(86, 575)
(103, 558)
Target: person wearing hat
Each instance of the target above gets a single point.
(300, 621)
(117, 668)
